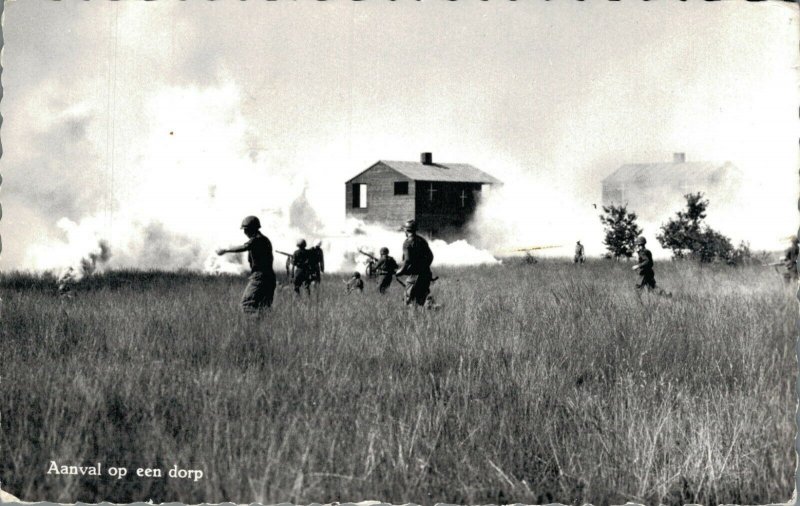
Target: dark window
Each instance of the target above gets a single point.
(401, 188)
(359, 196)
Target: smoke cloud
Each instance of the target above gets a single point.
(159, 150)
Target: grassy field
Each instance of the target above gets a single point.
(533, 383)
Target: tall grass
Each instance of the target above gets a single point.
(533, 383)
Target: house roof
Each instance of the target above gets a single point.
(449, 172)
(668, 173)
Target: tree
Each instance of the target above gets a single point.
(688, 236)
(621, 231)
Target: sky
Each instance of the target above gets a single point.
(155, 127)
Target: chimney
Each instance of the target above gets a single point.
(426, 158)
(678, 157)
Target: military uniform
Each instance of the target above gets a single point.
(317, 264)
(303, 275)
(790, 262)
(260, 290)
(645, 268)
(355, 284)
(417, 260)
(386, 267)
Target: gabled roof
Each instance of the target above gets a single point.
(449, 172)
(668, 173)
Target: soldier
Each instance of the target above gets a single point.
(417, 259)
(790, 260)
(301, 268)
(355, 283)
(644, 266)
(579, 258)
(386, 268)
(260, 289)
(317, 262)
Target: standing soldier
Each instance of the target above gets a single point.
(579, 258)
(644, 265)
(417, 260)
(301, 268)
(790, 260)
(260, 289)
(386, 268)
(317, 262)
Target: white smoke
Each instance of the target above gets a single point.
(183, 193)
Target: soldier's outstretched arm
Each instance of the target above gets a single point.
(233, 249)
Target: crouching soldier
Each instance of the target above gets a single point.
(386, 269)
(417, 260)
(355, 283)
(260, 289)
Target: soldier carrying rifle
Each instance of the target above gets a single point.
(385, 268)
(302, 268)
(417, 260)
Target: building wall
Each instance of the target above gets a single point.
(443, 215)
(383, 206)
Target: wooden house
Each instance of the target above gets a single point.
(441, 197)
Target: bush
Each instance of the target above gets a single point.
(688, 236)
(621, 231)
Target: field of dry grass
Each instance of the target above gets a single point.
(533, 383)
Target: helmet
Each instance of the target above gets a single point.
(251, 222)
(384, 251)
(356, 274)
(318, 244)
(641, 241)
(301, 243)
(793, 239)
(410, 226)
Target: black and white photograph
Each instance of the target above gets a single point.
(399, 251)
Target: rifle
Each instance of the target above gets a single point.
(289, 257)
(397, 278)
(367, 254)
(532, 248)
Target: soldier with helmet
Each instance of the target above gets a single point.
(260, 289)
(644, 265)
(317, 262)
(417, 260)
(790, 260)
(355, 283)
(302, 267)
(386, 268)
